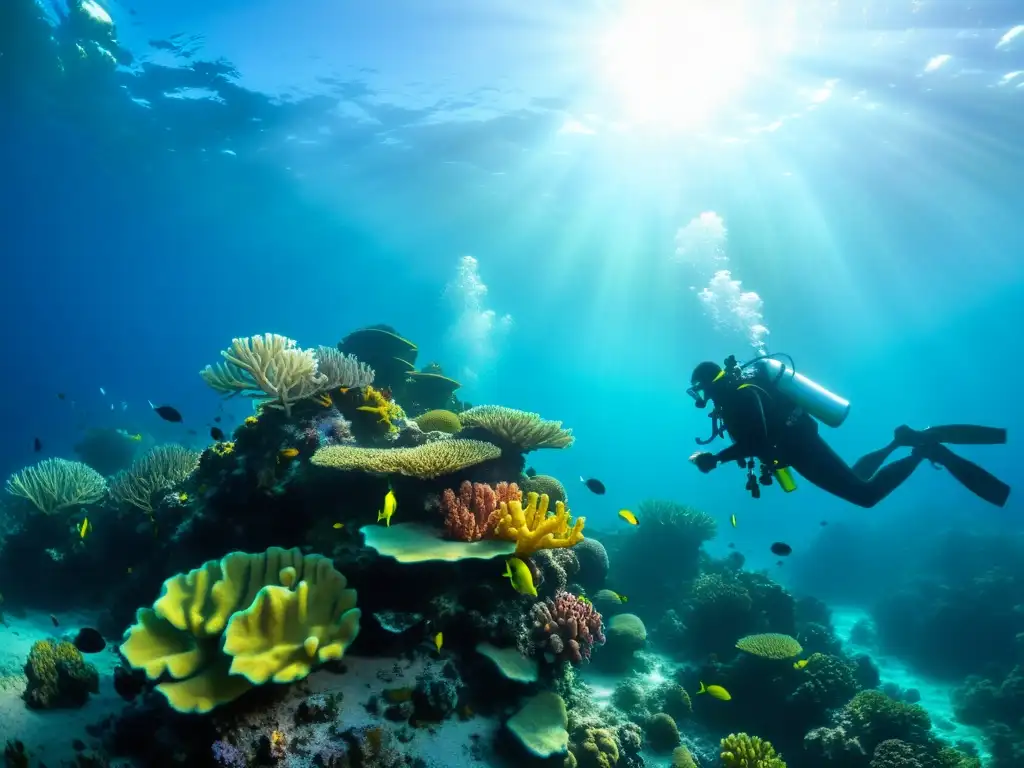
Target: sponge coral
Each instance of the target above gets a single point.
(532, 528)
(742, 751)
(244, 620)
(527, 431)
(425, 462)
(474, 513)
(56, 484)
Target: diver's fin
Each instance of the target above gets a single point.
(965, 434)
(978, 481)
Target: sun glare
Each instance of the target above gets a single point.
(674, 63)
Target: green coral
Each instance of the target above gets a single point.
(740, 750)
(770, 645)
(669, 518)
(829, 682)
(56, 484)
(58, 676)
(439, 420)
(872, 717)
(597, 749)
(676, 701)
(681, 758)
(241, 621)
(662, 733)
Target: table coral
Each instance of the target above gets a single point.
(566, 627)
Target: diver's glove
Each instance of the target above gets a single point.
(704, 461)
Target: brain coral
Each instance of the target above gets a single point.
(439, 421)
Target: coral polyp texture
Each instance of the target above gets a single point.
(53, 485)
(523, 429)
(474, 512)
(770, 645)
(533, 528)
(742, 751)
(425, 461)
(566, 627)
(161, 469)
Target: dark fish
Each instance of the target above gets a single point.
(781, 548)
(60, 395)
(731, 545)
(168, 413)
(594, 485)
(531, 472)
(217, 419)
(54, 620)
(216, 433)
(37, 445)
(128, 683)
(192, 432)
(823, 523)
(779, 563)
(88, 640)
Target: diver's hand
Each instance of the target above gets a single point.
(704, 461)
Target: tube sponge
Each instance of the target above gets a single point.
(244, 620)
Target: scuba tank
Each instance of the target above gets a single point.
(828, 408)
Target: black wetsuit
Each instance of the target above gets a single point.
(768, 426)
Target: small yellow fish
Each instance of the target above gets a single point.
(522, 579)
(137, 437)
(182, 497)
(251, 420)
(288, 453)
(715, 692)
(800, 664)
(338, 526)
(84, 529)
(439, 641)
(584, 599)
(390, 505)
(732, 520)
(628, 516)
(325, 400)
(620, 598)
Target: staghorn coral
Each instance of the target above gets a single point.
(566, 627)
(770, 645)
(56, 484)
(532, 528)
(475, 512)
(161, 469)
(425, 461)
(527, 431)
(742, 751)
(342, 371)
(439, 420)
(270, 368)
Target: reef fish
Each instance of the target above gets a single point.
(715, 692)
(37, 445)
(628, 516)
(594, 485)
(84, 529)
(390, 505)
(519, 573)
(89, 640)
(800, 664)
(732, 520)
(217, 433)
(439, 641)
(781, 548)
(167, 412)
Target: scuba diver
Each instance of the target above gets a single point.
(771, 413)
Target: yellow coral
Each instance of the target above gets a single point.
(770, 645)
(533, 528)
(740, 750)
(597, 749)
(439, 421)
(224, 448)
(388, 411)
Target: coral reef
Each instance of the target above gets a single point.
(566, 627)
(58, 676)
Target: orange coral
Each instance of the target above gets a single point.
(474, 513)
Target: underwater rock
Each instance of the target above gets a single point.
(436, 694)
(397, 622)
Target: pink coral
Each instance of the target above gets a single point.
(566, 627)
(474, 512)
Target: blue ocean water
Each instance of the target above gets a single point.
(567, 205)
